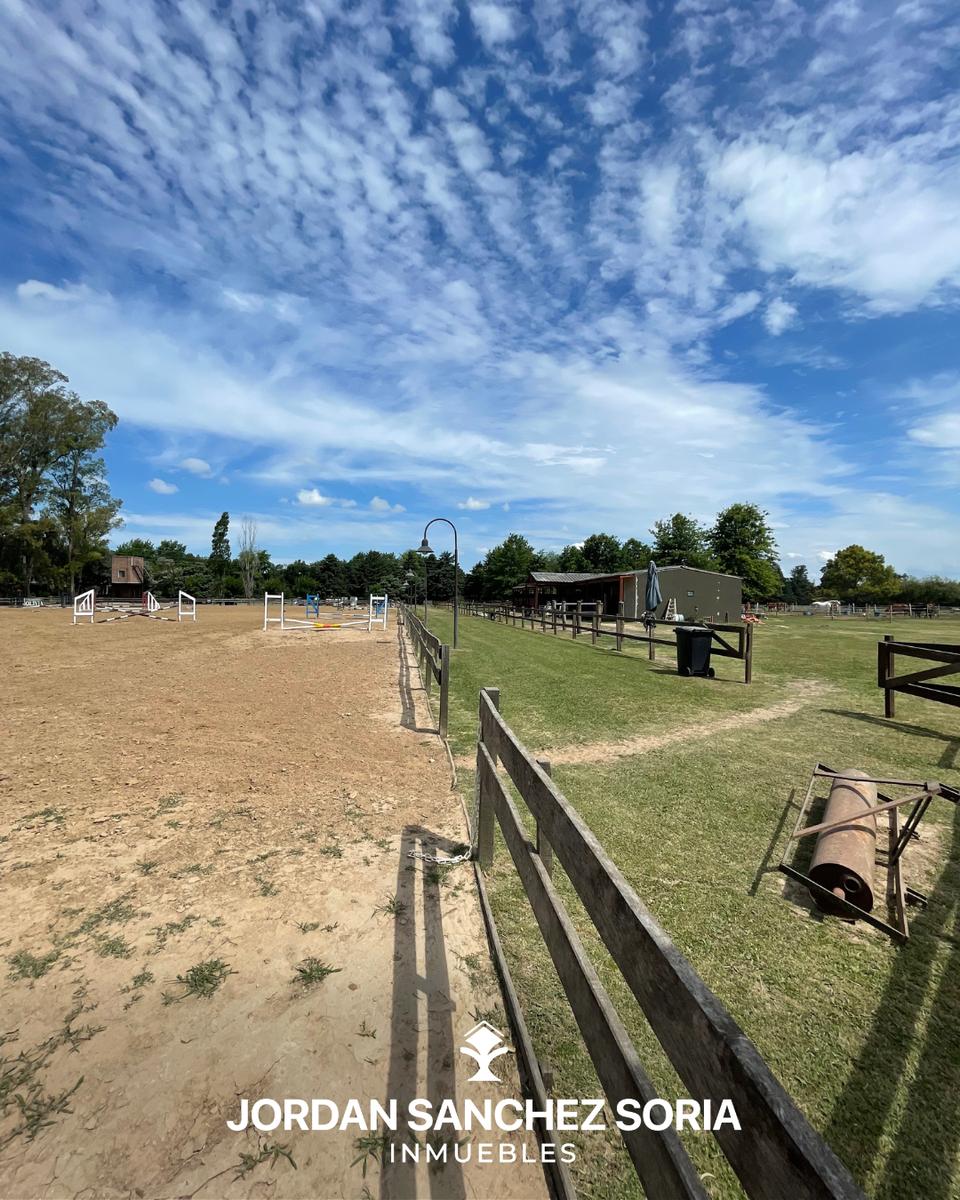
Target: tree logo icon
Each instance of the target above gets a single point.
(484, 1044)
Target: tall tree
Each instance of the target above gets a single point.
(743, 544)
(248, 556)
(507, 566)
(636, 555)
(43, 423)
(220, 548)
(603, 553)
(857, 574)
(681, 541)
(79, 495)
(799, 586)
(572, 558)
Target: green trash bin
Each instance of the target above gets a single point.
(693, 650)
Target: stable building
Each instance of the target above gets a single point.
(690, 592)
(128, 577)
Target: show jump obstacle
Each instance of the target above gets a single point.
(376, 616)
(85, 605)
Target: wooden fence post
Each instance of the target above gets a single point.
(884, 672)
(544, 849)
(444, 688)
(578, 617)
(485, 801)
(554, 622)
(620, 626)
(594, 628)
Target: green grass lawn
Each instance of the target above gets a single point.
(864, 1034)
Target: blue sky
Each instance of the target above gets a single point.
(555, 268)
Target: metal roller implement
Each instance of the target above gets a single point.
(843, 860)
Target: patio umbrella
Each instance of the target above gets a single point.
(652, 597)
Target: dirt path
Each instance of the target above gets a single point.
(204, 854)
(802, 692)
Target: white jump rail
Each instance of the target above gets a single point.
(376, 616)
(149, 602)
(186, 607)
(84, 605)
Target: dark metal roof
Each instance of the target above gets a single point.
(564, 576)
(585, 576)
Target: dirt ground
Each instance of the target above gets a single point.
(204, 869)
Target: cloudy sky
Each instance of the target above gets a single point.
(558, 268)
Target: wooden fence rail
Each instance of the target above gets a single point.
(917, 683)
(776, 1153)
(580, 624)
(433, 658)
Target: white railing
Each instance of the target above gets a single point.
(186, 607)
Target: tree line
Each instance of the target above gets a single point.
(170, 567)
(739, 542)
(57, 515)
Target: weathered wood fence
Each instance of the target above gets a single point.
(433, 658)
(594, 625)
(776, 1154)
(917, 683)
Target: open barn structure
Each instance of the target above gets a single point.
(696, 594)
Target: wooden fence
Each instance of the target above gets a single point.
(776, 1154)
(433, 658)
(596, 626)
(917, 683)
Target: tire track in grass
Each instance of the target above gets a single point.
(802, 692)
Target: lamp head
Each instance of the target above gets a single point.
(424, 547)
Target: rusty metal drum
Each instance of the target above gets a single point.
(844, 857)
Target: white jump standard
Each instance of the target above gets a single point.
(376, 616)
(85, 606)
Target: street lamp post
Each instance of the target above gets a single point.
(424, 549)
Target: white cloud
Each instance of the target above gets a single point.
(196, 466)
(494, 23)
(35, 289)
(162, 488)
(406, 252)
(378, 504)
(882, 222)
(472, 504)
(312, 498)
(780, 314)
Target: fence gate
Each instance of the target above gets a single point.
(917, 683)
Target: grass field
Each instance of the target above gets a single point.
(864, 1034)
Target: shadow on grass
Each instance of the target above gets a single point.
(422, 1013)
(927, 1138)
(951, 750)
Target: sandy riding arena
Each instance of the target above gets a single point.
(208, 896)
